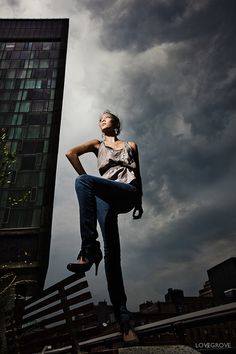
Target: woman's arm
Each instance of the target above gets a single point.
(74, 153)
(138, 207)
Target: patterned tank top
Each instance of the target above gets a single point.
(118, 165)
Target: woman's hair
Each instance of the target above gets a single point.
(115, 118)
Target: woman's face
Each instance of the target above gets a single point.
(106, 122)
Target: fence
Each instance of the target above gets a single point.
(61, 315)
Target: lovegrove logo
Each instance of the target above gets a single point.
(212, 345)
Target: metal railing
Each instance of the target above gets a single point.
(177, 324)
(60, 315)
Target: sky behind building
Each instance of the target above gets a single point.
(167, 68)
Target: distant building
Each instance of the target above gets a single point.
(176, 303)
(105, 314)
(207, 290)
(222, 278)
(32, 69)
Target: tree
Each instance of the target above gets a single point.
(7, 161)
(8, 280)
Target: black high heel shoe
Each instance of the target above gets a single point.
(130, 338)
(92, 255)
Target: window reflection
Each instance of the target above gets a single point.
(28, 72)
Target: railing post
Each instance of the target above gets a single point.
(69, 322)
(179, 330)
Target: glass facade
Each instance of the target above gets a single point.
(32, 67)
(28, 74)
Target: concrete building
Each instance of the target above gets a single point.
(32, 70)
(222, 278)
(206, 291)
(176, 303)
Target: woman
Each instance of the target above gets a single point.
(119, 190)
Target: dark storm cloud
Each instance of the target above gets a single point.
(168, 67)
(204, 63)
(194, 235)
(140, 24)
(196, 86)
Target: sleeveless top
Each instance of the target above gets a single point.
(118, 165)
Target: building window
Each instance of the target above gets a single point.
(54, 54)
(21, 74)
(43, 54)
(44, 63)
(39, 73)
(25, 55)
(49, 121)
(32, 132)
(5, 64)
(10, 120)
(46, 146)
(5, 96)
(5, 107)
(46, 132)
(9, 84)
(20, 217)
(15, 55)
(36, 217)
(25, 107)
(39, 94)
(6, 215)
(38, 106)
(30, 84)
(10, 46)
(15, 64)
(38, 161)
(35, 119)
(33, 64)
(24, 96)
(36, 46)
(6, 55)
(11, 73)
(29, 74)
(17, 106)
(33, 194)
(32, 147)
(15, 133)
(47, 45)
(28, 162)
(50, 106)
(3, 73)
(52, 94)
(41, 181)
(3, 199)
(16, 95)
(39, 84)
(26, 64)
(26, 179)
(19, 46)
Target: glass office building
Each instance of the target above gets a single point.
(32, 70)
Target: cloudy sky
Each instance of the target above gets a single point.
(167, 68)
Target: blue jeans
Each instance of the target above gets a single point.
(103, 199)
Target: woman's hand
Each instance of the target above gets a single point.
(138, 211)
